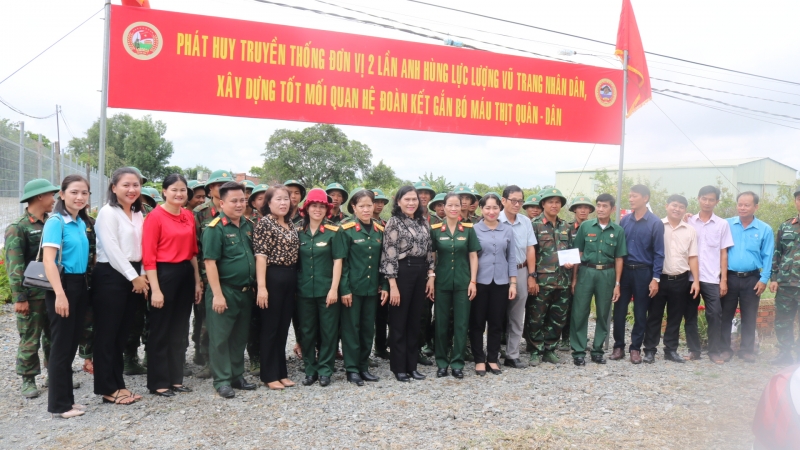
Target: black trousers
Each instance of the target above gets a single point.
(382, 327)
(635, 283)
(275, 320)
(740, 295)
(404, 319)
(169, 326)
(65, 335)
(710, 294)
(672, 294)
(114, 304)
(488, 309)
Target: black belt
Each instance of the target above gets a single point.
(415, 260)
(744, 274)
(520, 266)
(666, 277)
(237, 288)
(598, 266)
(636, 266)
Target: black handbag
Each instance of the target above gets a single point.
(34, 275)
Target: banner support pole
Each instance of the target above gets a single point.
(101, 158)
(621, 157)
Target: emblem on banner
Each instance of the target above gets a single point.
(142, 40)
(605, 92)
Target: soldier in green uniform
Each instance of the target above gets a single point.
(231, 273)
(338, 195)
(456, 246)
(319, 273)
(602, 246)
(297, 192)
(426, 193)
(437, 205)
(203, 215)
(361, 287)
(474, 218)
(468, 198)
(426, 330)
(248, 187)
(86, 346)
(581, 207)
(382, 314)
(149, 199)
(197, 196)
(532, 207)
(254, 204)
(255, 200)
(545, 318)
(785, 282)
(22, 239)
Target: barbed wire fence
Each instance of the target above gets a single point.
(38, 161)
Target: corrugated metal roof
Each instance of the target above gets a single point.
(675, 165)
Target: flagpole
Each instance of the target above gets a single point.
(101, 160)
(621, 156)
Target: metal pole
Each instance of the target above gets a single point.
(101, 160)
(39, 158)
(58, 149)
(21, 176)
(621, 157)
(53, 163)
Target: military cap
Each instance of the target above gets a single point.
(549, 193)
(580, 201)
(479, 196)
(144, 179)
(219, 176)
(424, 186)
(37, 187)
(438, 199)
(338, 187)
(532, 200)
(259, 188)
(152, 193)
(248, 185)
(379, 196)
(464, 190)
(350, 205)
(194, 184)
(298, 184)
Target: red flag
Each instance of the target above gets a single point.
(142, 3)
(628, 39)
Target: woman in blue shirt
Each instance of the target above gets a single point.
(497, 284)
(65, 233)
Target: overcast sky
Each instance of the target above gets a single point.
(757, 37)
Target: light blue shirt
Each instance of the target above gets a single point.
(752, 247)
(496, 261)
(523, 236)
(73, 244)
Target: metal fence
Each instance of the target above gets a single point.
(38, 161)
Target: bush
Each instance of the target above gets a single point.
(5, 288)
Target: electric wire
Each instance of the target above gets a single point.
(19, 111)
(724, 103)
(726, 81)
(581, 174)
(727, 111)
(64, 119)
(724, 92)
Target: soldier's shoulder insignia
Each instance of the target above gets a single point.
(791, 220)
(348, 225)
(467, 224)
(331, 227)
(378, 226)
(435, 226)
(214, 222)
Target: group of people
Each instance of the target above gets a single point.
(247, 261)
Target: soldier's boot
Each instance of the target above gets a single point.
(427, 350)
(422, 359)
(29, 389)
(564, 346)
(75, 383)
(551, 357)
(373, 363)
(131, 366)
(536, 359)
(382, 353)
(204, 373)
(255, 367)
(198, 357)
(784, 358)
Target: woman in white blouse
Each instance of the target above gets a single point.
(118, 282)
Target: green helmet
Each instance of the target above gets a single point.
(464, 190)
(37, 187)
(144, 179)
(438, 199)
(219, 176)
(194, 184)
(479, 196)
(152, 193)
(532, 200)
(350, 205)
(580, 201)
(258, 189)
(248, 185)
(338, 187)
(379, 195)
(424, 186)
(298, 184)
(551, 192)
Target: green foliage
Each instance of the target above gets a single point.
(381, 176)
(439, 184)
(5, 288)
(191, 172)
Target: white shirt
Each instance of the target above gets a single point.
(119, 239)
(524, 236)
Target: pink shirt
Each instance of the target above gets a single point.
(712, 236)
(680, 243)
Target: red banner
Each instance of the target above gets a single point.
(170, 61)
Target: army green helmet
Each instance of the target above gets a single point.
(355, 191)
(299, 185)
(549, 193)
(424, 186)
(248, 185)
(139, 172)
(338, 187)
(152, 193)
(478, 196)
(532, 200)
(577, 201)
(464, 190)
(438, 199)
(219, 176)
(380, 196)
(194, 184)
(37, 187)
(256, 190)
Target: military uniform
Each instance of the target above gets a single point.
(339, 217)
(427, 325)
(319, 322)
(573, 231)
(140, 328)
(546, 317)
(86, 346)
(451, 282)
(360, 277)
(254, 337)
(786, 272)
(231, 247)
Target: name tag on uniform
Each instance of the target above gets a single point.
(358, 241)
(444, 238)
(321, 244)
(231, 235)
(461, 238)
(36, 231)
(594, 235)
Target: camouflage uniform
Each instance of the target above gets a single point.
(547, 314)
(203, 215)
(140, 328)
(786, 272)
(86, 347)
(21, 245)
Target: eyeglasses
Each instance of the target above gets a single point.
(515, 201)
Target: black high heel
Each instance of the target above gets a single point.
(167, 393)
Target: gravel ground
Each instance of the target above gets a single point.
(618, 405)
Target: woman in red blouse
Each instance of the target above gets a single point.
(169, 256)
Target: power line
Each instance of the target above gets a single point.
(727, 111)
(724, 92)
(600, 42)
(51, 45)
(19, 111)
(69, 130)
(726, 81)
(581, 174)
(724, 103)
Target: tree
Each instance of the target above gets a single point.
(191, 172)
(316, 156)
(381, 176)
(439, 184)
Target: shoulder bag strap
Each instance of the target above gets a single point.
(60, 250)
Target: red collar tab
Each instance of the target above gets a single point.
(358, 225)
(32, 219)
(321, 228)
(444, 226)
(214, 212)
(576, 224)
(224, 220)
(460, 227)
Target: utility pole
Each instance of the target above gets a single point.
(21, 176)
(57, 160)
(101, 160)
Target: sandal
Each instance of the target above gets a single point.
(68, 415)
(119, 399)
(275, 385)
(79, 407)
(136, 397)
(88, 366)
(287, 383)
